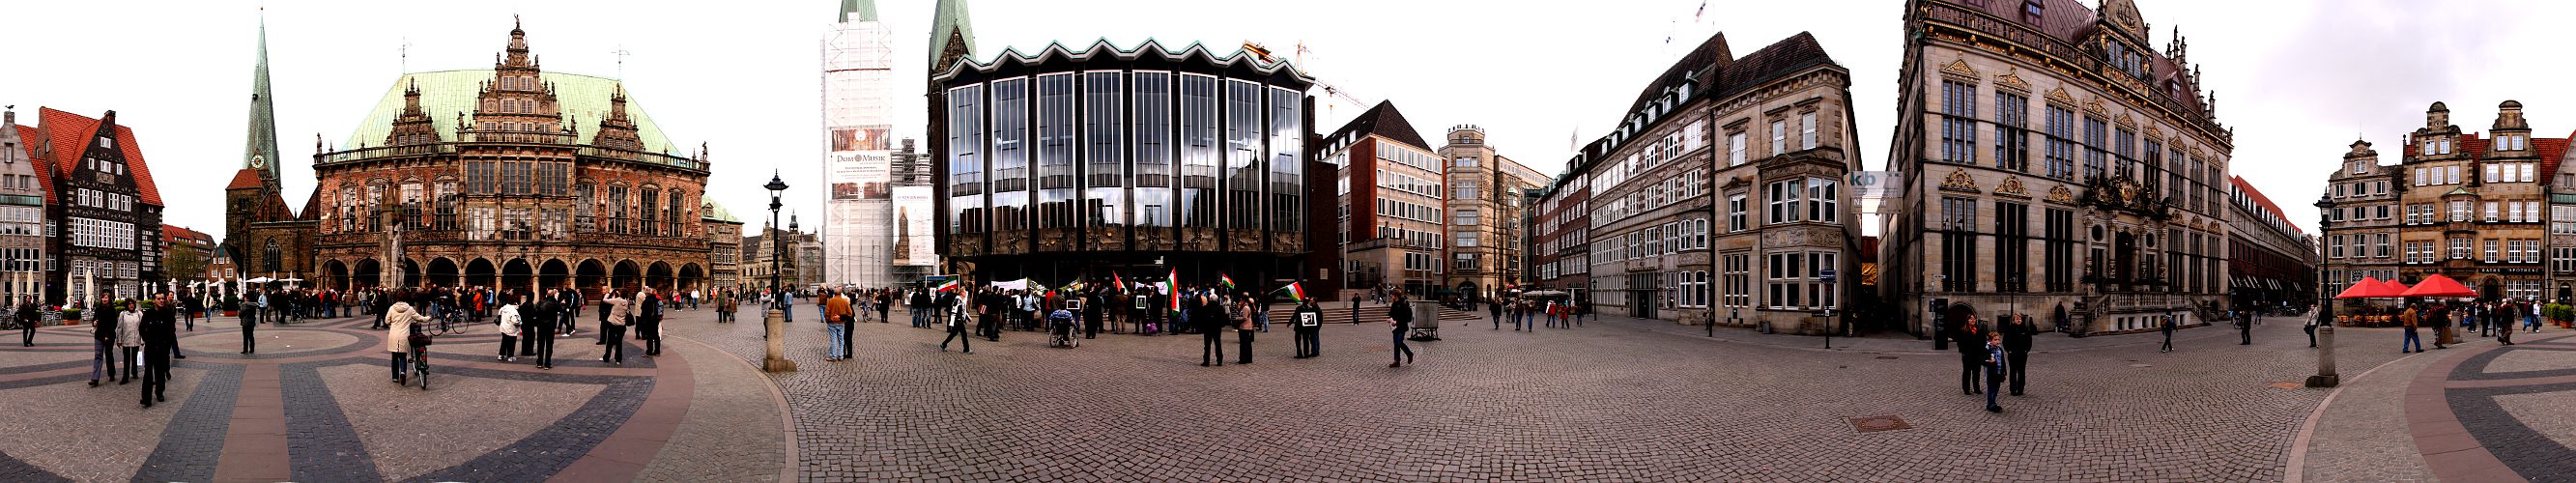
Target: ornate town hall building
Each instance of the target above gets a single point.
(2054, 166)
(512, 177)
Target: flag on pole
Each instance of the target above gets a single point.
(951, 284)
(1225, 281)
(1175, 280)
(1295, 292)
(1117, 282)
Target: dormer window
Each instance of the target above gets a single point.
(2030, 12)
(105, 142)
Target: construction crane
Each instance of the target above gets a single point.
(1298, 59)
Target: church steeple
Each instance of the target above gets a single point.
(866, 11)
(952, 35)
(260, 151)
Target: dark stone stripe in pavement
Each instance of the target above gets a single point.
(321, 444)
(274, 352)
(13, 470)
(194, 441)
(2475, 367)
(40, 381)
(551, 450)
(634, 357)
(2533, 455)
(49, 366)
(641, 433)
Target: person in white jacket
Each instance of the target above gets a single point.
(510, 332)
(129, 333)
(398, 321)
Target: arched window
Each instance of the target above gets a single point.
(269, 256)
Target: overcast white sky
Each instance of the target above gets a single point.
(2298, 79)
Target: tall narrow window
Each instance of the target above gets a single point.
(1958, 122)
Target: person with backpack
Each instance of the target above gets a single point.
(648, 321)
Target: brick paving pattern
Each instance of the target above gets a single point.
(1616, 400)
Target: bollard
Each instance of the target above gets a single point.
(777, 358)
(2326, 376)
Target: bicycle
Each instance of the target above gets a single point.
(420, 365)
(448, 323)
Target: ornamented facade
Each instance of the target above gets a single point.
(102, 211)
(2054, 165)
(2457, 204)
(1393, 218)
(1485, 214)
(511, 177)
(23, 237)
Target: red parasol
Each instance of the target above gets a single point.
(2395, 289)
(2439, 286)
(2367, 288)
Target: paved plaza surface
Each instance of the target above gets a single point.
(1614, 400)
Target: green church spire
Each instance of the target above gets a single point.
(867, 10)
(261, 149)
(952, 35)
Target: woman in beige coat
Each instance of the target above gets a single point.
(129, 336)
(398, 322)
(621, 313)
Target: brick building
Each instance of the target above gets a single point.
(100, 199)
(1394, 211)
(512, 177)
(1563, 252)
(200, 246)
(264, 236)
(2272, 263)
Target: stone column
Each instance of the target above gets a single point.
(777, 358)
(2326, 376)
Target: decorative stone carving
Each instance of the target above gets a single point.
(2125, 120)
(2011, 188)
(1959, 181)
(2059, 95)
(2012, 81)
(1959, 68)
(2153, 132)
(2095, 106)
(2061, 195)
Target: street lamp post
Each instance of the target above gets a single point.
(2326, 376)
(770, 320)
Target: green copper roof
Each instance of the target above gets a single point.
(867, 10)
(950, 17)
(716, 211)
(445, 94)
(262, 140)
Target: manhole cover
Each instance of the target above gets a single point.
(1874, 424)
(2289, 385)
(1887, 357)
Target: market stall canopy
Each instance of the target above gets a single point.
(2367, 288)
(2440, 286)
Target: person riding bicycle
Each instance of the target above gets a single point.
(399, 323)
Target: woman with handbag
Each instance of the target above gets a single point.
(399, 335)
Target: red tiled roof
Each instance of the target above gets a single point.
(71, 134)
(172, 233)
(2552, 151)
(2265, 201)
(245, 178)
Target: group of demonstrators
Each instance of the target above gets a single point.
(2497, 319)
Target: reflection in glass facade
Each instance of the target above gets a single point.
(1127, 157)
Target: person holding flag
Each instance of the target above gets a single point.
(1309, 323)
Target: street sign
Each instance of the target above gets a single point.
(1828, 273)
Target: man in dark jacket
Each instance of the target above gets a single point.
(1400, 314)
(2017, 331)
(920, 308)
(567, 310)
(1309, 324)
(27, 322)
(1210, 318)
(537, 320)
(648, 322)
(160, 339)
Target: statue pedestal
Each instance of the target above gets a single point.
(776, 361)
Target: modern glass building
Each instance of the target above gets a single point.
(1145, 159)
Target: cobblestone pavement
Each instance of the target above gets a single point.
(1615, 400)
(315, 405)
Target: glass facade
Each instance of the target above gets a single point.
(1107, 150)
